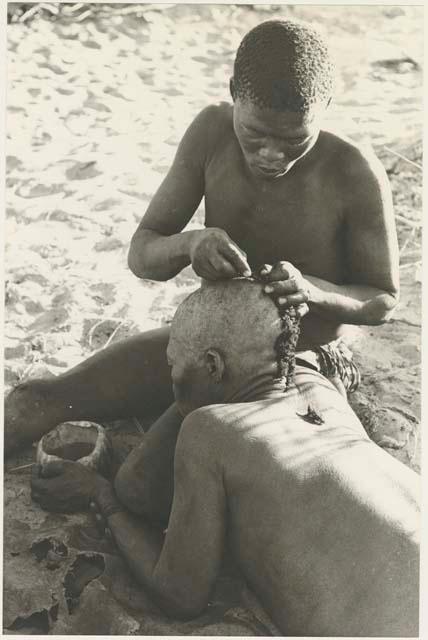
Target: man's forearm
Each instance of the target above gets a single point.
(351, 304)
(141, 546)
(140, 543)
(159, 257)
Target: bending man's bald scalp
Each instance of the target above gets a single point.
(234, 317)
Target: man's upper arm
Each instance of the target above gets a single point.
(371, 240)
(182, 189)
(193, 546)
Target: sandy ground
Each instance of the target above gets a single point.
(96, 108)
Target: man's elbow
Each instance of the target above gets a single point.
(137, 261)
(382, 309)
(184, 612)
(181, 607)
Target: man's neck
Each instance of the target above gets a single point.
(260, 387)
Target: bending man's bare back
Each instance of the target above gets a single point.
(324, 524)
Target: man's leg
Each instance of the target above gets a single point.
(145, 481)
(128, 378)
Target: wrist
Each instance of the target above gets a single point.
(311, 290)
(105, 496)
(192, 238)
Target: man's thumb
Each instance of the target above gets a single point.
(51, 469)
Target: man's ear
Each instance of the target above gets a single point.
(215, 365)
(232, 88)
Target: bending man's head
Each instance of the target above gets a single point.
(223, 336)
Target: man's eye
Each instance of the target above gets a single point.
(250, 131)
(295, 142)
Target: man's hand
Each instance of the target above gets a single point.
(286, 285)
(65, 486)
(215, 256)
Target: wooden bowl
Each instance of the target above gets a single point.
(83, 442)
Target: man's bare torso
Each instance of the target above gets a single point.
(298, 217)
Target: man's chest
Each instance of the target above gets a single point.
(296, 218)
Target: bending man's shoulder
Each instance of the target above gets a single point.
(210, 418)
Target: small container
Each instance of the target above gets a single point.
(83, 442)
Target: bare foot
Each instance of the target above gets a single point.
(28, 414)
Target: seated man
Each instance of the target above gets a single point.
(277, 189)
(323, 523)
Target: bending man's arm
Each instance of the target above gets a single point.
(178, 571)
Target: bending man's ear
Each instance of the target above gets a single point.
(215, 365)
(232, 88)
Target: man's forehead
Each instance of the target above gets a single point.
(283, 121)
(177, 341)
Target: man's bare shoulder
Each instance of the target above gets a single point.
(216, 422)
(220, 421)
(220, 113)
(350, 159)
(212, 124)
(203, 432)
(211, 418)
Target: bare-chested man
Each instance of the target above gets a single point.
(324, 524)
(278, 191)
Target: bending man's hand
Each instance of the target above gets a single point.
(215, 256)
(65, 486)
(286, 285)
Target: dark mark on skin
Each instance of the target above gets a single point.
(311, 416)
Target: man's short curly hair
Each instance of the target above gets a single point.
(283, 65)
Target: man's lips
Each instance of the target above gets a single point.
(270, 171)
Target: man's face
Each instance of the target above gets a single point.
(273, 141)
(191, 383)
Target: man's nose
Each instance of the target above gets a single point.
(271, 153)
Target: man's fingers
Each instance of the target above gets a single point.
(282, 287)
(293, 300)
(52, 469)
(222, 267)
(206, 271)
(281, 271)
(265, 270)
(302, 309)
(37, 483)
(237, 258)
(35, 471)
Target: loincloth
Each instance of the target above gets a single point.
(332, 360)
